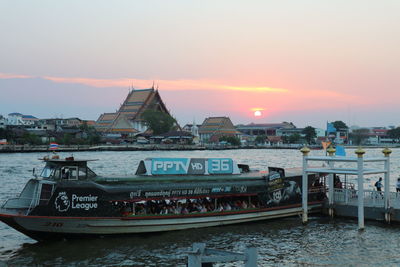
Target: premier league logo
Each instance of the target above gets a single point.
(62, 202)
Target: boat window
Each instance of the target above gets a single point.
(69, 173)
(47, 172)
(73, 173)
(56, 174)
(90, 173)
(188, 206)
(85, 173)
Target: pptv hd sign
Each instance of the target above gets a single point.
(165, 166)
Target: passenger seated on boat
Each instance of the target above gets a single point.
(201, 208)
(140, 209)
(194, 207)
(210, 207)
(65, 173)
(126, 210)
(164, 210)
(186, 206)
(178, 209)
(171, 209)
(236, 204)
(219, 207)
(184, 210)
(227, 207)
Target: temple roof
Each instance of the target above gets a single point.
(217, 125)
(129, 112)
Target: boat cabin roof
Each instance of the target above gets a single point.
(66, 168)
(67, 161)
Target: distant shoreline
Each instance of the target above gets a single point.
(151, 147)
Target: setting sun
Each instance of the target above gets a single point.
(257, 112)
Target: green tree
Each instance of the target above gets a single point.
(310, 134)
(394, 133)
(94, 139)
(84, 127)
(339, 125)
(30, 138)
(7, 134)
(92, 136)
(294, 138)
(67, 139)
(260, 139)
(286, 139)
(358, 136)
(233, 140)
(159, 122)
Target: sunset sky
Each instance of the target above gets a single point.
(305, 62)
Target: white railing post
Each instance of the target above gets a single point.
(331, 151)
(194, 257)
(360, 171)
(251, 257)
(305, 150)
(387, 153)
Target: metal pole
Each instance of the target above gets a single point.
(360, 171)
(305, 150)
(387, 152)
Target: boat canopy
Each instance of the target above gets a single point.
(188, 166)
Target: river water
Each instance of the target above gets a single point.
(280, 242)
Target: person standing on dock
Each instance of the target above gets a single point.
(378, 185)
(398, 185)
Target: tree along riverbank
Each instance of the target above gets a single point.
(148, 147)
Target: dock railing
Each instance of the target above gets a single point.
(372, 198)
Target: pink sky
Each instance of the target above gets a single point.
(306, 61)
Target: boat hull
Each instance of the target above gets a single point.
(51, 227)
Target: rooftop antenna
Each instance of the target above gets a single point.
(152, 87)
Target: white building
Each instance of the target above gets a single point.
(16, 118)
(3, 122)
(192, 128)
(320, 132)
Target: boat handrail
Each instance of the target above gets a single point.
(35, 193)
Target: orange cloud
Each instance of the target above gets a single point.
(243, 97)
(255, 89)
(14, 76)
(165, 84)
(257, 109)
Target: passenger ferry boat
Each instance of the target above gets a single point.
(69, 200)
